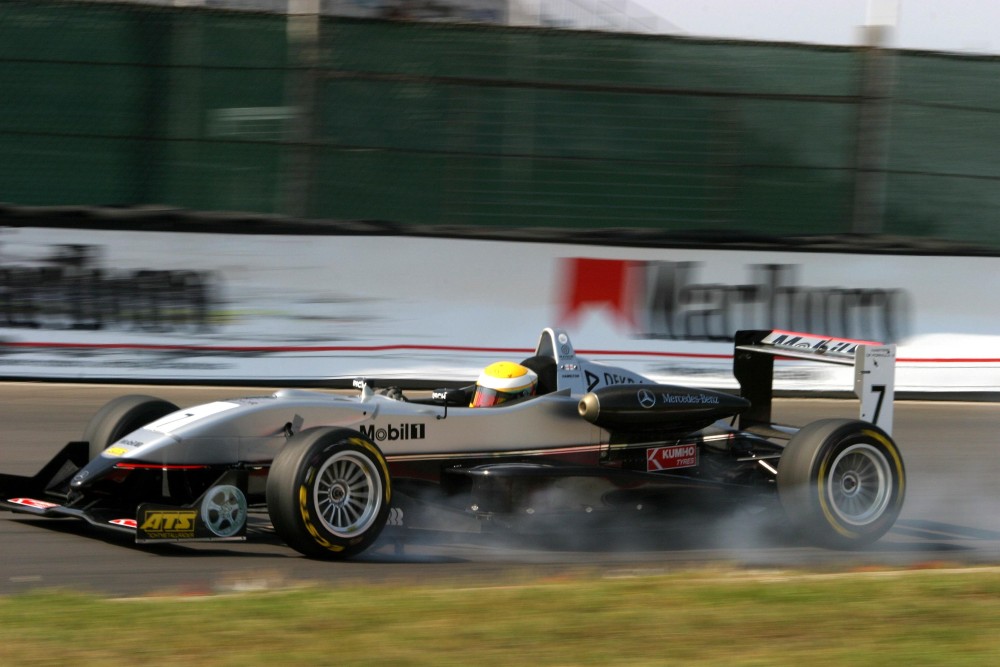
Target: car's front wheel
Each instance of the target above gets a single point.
(121, 416)
(842, 482)
(328, 493)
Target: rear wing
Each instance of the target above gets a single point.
(874, 370)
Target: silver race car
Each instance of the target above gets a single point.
(331, 470)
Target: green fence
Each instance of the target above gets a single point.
(422, 123)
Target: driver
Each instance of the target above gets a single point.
(503, 381)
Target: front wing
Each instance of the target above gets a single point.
(43, 495)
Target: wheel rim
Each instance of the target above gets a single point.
(224, 510)
(859, 486)
(348, 493)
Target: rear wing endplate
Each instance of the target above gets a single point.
(874, 370)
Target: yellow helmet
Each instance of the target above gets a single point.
(503, 381)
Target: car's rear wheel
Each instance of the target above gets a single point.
(328, 493)
(120, 417)
(842, 482)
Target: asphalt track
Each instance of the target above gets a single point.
(951, 516)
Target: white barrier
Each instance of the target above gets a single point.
(112, 305)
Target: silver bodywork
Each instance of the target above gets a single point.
(252, 430)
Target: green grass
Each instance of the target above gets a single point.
(922, 617)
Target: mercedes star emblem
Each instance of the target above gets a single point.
(647, 399)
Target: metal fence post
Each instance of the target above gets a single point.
(873, 131)
(297, 163)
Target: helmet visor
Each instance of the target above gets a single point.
(487, 398)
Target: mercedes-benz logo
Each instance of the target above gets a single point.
(647, 399)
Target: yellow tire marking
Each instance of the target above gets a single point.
(378, 457)
(830, 519)
(307, 520)
(896, 459)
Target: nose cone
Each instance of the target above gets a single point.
(96, 470)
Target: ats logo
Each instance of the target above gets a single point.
(168, 524)
(671, 300)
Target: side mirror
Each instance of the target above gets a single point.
(452, 397)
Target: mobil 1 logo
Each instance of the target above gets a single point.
(393, 432)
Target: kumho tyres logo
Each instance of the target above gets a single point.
(671, 458)
(168, 524)
(672, 301)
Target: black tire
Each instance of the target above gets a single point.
(842, 482)
(328, 493)
(120, 417)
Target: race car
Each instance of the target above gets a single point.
(331, 470)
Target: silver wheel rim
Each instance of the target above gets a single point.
(347, 493)
(224, 510)
(859, 485)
